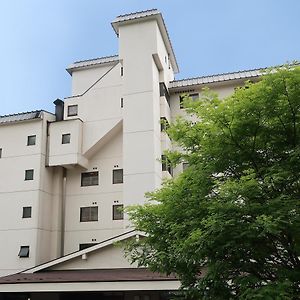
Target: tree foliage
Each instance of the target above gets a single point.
(229, 225)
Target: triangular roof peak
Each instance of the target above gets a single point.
(105, 243)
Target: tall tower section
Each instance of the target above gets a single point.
(148, 65)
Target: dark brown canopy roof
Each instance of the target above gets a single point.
(100, 275)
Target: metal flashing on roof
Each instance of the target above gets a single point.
(92, 62)
(24, 116)
(149, 14)
(217, 78)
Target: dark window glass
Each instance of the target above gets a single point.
(66, 138)
(122, 103)
(26, 212)
(0, 152)
(194, 97)
(118, 212)
(24, 251)
(86, 245)
(89, 178)
(29, 174)
(118, 176)
(72, 110)
(31, 140)
(163, 92)
(122, 71)
(164, 124)
(89, 214)
(166, 165)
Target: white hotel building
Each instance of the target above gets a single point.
(65, 176)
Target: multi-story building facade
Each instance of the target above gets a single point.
(66, 176)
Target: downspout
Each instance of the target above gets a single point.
(63, 211)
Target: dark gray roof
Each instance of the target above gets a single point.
(92, 62)
(247, 74)
(136, 15)
(37, 114)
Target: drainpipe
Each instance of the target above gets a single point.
(63, 212)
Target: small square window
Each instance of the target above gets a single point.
(89, 178)
(118, 213)
(66, 138)
(89, 214)
(24, 251)
(31, 139)
(26, 212)
(0, 152)
(29, 174)
(117, 176)
(72, 110)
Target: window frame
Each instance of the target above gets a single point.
(91, 183)
(70, 107)
(27, 172)
(29, 142)
(24, 215)
(114, 179)
(90, 216)
(194, 96)
(68, 140)
(117, 215)
(24, 251)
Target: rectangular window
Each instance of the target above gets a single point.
(164, 124)
(89, 178)
(163, 91)
(166, 165)
(0, 152)
(24, 251)
(122, 103)
(118, 212)
(118, 176)
(26, 212)
(31, 140)
(66, 138)
(86, 245)
(72, 110)
(122, 71)
(89, 214)
(194, 97)
(29, 174)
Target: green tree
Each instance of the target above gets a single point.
(229, 225)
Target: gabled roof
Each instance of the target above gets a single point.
(92, 62)
(149, 15)
(24, 116)
(247, 74)
(111, 241)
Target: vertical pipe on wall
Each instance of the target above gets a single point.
(63, 212)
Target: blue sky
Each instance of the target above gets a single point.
(40, 38)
